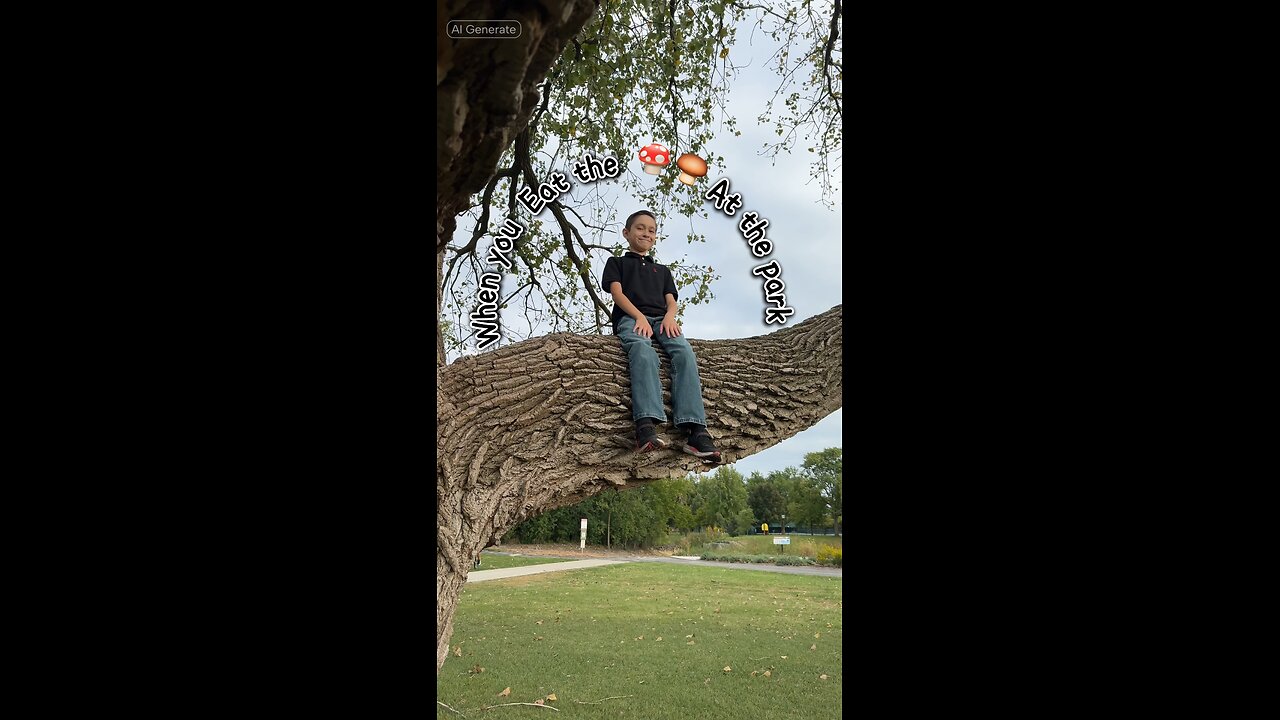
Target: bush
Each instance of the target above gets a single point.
(830, 555)
(793, 560)
(697, 539)
(775, 559)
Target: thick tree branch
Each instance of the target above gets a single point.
(826, 58)
(555, 410)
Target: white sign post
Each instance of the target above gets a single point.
(784, 541)
(582, 541)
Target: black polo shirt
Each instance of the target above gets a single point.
(644, 282)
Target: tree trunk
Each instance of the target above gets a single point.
(486, 91)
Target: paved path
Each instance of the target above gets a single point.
(482, 575)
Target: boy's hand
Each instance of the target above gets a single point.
(643, 328)
(670, 328)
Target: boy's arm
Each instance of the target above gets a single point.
(669, 326)
(643, 328)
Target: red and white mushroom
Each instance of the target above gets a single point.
(654, 157)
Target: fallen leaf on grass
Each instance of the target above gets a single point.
(659, 639)
(539, 637)
(817, 635)
(768, 673)
(552, 697)
(537, 702)
(727, 668)
(538, 623)
(784, 657)
(476, 670)
(813, 647)
(457, 650)
(640, 638)
(822, 677)
(505, 693)
(688, 636)
(689, 643)
(755, 673)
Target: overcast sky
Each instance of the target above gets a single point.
(806, 236)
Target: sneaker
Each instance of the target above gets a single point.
(700, 445)
(647, 438)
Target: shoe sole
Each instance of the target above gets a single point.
(712, 456)
(653, 444)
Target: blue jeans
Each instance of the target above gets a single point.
(646, 388)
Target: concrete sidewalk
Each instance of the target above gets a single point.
(482, 575)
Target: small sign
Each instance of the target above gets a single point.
(584, 523)
(764, 527)
(782, 541)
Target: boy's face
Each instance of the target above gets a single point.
(642, 235)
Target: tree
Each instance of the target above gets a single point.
(621, 518)
(720, 500)
(544, 423)
(636, 71)
(805, 505)
(671, 500)
(826, 470)
(767, 502)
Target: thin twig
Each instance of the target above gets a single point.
(447, 707)
(490, 707)
(762, 657)
(597, 702)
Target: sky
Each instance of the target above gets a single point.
(806, 237)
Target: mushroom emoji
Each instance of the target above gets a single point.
(654, 157)
(691, 167)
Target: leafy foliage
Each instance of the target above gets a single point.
(826, 469)
(720, 500)
(639, 71)
(830, 555)
(722, 504)
(769, 559)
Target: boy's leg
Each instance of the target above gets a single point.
(686, 398)
(686, 386)
(646, 388)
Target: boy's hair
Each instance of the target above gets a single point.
(631, 218)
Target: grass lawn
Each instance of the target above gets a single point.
(655, 638)
(493, 562)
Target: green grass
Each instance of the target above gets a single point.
(599, 639)
(804, 545)
(489, 561)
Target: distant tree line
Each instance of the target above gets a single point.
(811, 497)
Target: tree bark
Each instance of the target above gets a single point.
(486, 91)
(546, 423)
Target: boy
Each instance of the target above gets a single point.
(644, 298)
